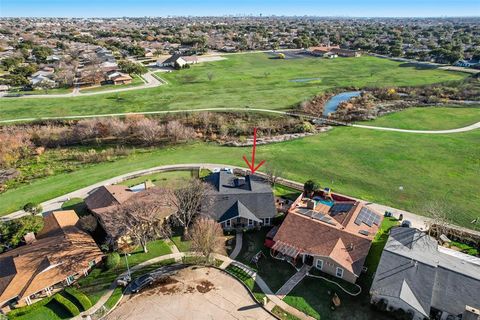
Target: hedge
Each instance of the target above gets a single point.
(26, 309)
(69, 305)
(81, 298)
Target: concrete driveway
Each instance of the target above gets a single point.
(193, 293)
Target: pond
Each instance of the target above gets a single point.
(304, 79)
(332, 104)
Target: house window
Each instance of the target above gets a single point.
(339, 272)
(263, 222)
(250, 222)
(319, 264)
(229, 223)
(267, 221)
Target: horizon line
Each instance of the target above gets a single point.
(239, 16)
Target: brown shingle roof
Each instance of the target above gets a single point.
(105, 214)
(61, 250)
(106, 196)
(321, 239)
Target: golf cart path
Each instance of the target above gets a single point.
(447, 131)
(150, 81)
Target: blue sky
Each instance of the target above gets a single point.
(347, 8)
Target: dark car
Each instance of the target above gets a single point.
(141, 282)
(406, 224)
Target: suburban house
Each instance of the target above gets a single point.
(58, 255)
(425, 279)
(177, 60)
(346, 52)
(240, 202)
(109, 66)
(330, 232)
(103, 201)
(321, 51)
(118, 78)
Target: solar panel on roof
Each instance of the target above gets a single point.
(368, 217)
(340, 207)
(364, 232)
(310, 213)
(302, 210)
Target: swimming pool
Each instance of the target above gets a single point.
(323, 201)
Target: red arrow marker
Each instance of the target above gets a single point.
(252, 165)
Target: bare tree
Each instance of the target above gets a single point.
(142, 220)
(438, 221)
(189, 200)
(178, 132)
(206, 237)
(273, 173)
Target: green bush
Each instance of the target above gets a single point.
(26, 309)
(112, 261)
(33, 208)
(69, 305)
(81, 298)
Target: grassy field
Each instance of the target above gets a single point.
(368, 164)
(252, 80)
(161, 179)
(430, 118)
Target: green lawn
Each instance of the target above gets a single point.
(37, 92)
(312, 295)
(161, 179)
(368, 164)
(241, 80)
(76, 204)
(136, 81)
(430, 118)
(286, 192)
(183, 245)
(98, 281)
(274, 272)
(247, 280)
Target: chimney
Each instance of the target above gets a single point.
(471, 313)
(239, 182)
(310, 204)
(29, 238)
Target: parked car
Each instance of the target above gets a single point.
(406, 224)
(141, 283)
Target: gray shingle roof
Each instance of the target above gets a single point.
(238, 210)
(255, 194)
(413, 269)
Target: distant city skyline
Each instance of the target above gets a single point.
(151, 8)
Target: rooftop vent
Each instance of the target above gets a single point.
(29, 238)
(239, 182)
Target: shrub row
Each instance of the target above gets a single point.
(69, 305)
(81, 298)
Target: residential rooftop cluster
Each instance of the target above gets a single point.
(321, 233)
